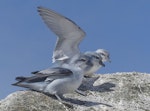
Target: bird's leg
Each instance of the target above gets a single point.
(81, 92)
(58, 98)
(63, 102)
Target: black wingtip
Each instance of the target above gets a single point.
(16, 84)
(35, 72)
(39, 8)
(21, 78)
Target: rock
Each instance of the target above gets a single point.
(30, 101)
(128, 91)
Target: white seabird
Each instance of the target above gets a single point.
(69, 36)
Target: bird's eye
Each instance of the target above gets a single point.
(96, 57)
(102, 54)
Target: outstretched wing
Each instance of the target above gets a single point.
(69, 34)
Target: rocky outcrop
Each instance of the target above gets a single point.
(110, 92)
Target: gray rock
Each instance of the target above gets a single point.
(128, 91)
(30, 101)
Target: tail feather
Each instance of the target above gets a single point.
(19, 79)
(17, 83)
(21, 85)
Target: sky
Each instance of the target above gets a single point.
(26, 44)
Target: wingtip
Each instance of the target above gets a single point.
(35, 72)
(15, 84)
(20, 78)
(19, 84)
(39, 8)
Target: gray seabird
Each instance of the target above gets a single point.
(69, 36)
(57, 80)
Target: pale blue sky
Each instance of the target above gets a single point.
(26, 44)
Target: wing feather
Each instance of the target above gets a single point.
(45, 75)
(54, 71)
(69, 33)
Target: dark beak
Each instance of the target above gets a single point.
(101, 63)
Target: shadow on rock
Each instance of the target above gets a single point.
(88, 85)
(84, 103)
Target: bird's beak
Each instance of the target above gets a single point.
(101, 63)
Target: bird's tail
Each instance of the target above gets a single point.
(20, 79)
(33, 83)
